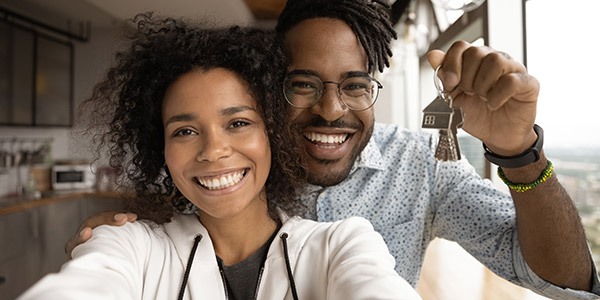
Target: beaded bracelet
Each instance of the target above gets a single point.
(521, 187)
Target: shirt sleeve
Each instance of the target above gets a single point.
(361, 266)
(482, 219)
(105, 267)
(533, 282)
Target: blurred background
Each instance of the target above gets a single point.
(52, 52)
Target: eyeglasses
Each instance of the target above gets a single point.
(356, 93)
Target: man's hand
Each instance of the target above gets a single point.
(84, 232)
(499, 99)
(496, 94)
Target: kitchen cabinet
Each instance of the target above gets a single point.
(58, 222)
(16, 75)
(32, 240)
(53, 75)
(36, 78)
(20, 253)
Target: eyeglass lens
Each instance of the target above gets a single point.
(357, 93)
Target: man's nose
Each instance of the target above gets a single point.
(329, 106)
(214, 147)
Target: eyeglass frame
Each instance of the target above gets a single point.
(339, 84)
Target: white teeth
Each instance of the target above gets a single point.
(326, 138)
(222, 181)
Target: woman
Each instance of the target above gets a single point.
(198, 117)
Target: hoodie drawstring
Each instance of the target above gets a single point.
(197, 239)
(189, 266)
(284, 237)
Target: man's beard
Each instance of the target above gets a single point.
(331, 178)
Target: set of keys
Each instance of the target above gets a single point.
(440, 114)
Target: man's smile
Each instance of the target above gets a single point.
(325, 140)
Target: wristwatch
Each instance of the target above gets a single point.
(520, 160)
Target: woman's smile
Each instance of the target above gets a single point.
(222, 181)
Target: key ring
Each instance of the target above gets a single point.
(439, 86)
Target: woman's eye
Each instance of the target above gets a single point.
(238, 123)
(184, 132)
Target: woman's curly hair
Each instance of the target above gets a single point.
(125, 108)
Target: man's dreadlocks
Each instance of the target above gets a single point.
(368, 19)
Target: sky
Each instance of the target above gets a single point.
(563, 53)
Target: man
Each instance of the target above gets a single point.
(389, 175)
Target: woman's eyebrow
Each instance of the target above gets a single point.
(192, 117)
(181, 118)
(235, 109)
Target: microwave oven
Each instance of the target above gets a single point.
(70, 177)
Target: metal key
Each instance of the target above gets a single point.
(448, 148)
(440, 114)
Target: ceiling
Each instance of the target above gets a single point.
(103, 13)
(265, 9)
(77, 16)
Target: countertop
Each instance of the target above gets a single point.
(14, 204)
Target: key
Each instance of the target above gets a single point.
(457, 121)
(440, 114)
(448, 148)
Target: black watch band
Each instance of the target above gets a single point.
(520, 160)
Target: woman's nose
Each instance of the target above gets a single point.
(214, 147)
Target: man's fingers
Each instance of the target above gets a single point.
(84, 233)
(69, 247)
(131, 217)
(451, 71)
(435, 58)
(472, 71)
(81, 237)
(521, 87)
(120, 219)
(106, 218)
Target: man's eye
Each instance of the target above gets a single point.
(239, 123)
(303, 86)
(356, 86)
(184, 132)
(300, 84)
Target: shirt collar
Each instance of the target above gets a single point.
(370, 158)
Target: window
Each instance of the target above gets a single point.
(561, 46)
(429, 120)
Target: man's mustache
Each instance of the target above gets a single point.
(318, 121)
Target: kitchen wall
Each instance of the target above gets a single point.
(91, 61)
